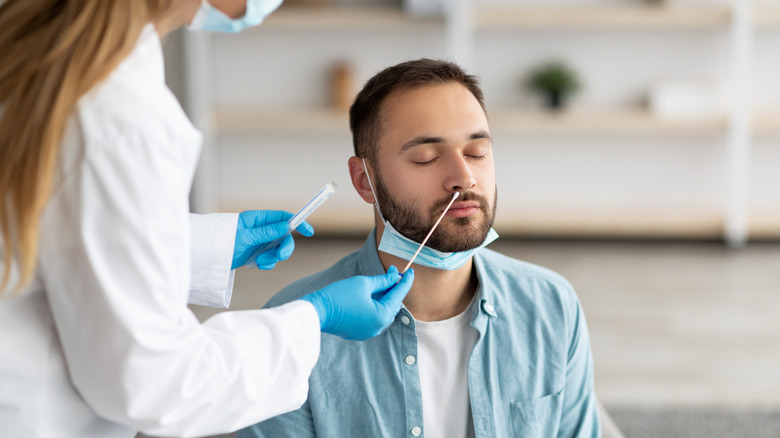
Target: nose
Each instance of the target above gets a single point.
(460, 177)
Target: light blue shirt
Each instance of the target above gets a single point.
(530, 373)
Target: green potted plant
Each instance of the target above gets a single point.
(555, 81)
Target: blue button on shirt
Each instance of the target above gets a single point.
(530, 373)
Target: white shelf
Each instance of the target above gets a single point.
(239, 120)
(638, 17)
(766, 123)
(601, 17)
(526, 122)
(350, 18)
(764, 223)
(604, 122)
(281, 120)
(614, 222)
(766, 16)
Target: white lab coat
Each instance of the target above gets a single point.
(101, 343)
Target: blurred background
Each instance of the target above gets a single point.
(637, 149)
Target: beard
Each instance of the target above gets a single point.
(456, 235)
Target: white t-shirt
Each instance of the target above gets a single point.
(443, 351)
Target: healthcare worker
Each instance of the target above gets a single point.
(100, 253)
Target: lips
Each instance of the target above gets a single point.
(463, 209)
(464, 204)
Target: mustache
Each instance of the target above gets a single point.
(439, 206)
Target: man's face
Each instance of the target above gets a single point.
(435, 141)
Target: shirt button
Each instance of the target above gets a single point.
(490, 309)
(410, 360)
(416, 431)
(405, 319)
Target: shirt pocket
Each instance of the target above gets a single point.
(537, 417)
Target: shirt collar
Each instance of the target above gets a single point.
(368, 261)
(486, 292)
(485, 307)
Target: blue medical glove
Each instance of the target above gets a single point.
(361, 307)
(258, 227)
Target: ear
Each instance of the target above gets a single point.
(360, 180)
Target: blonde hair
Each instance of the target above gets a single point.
(53, 53)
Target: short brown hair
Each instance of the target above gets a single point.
(364, 114)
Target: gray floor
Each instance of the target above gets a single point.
(676, 328)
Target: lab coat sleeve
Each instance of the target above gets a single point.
(115, 260)
(212, 239)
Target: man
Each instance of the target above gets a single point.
(485, 346)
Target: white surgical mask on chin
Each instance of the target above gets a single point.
(212, 19)
(395, 243)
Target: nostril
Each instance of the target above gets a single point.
(463, 188)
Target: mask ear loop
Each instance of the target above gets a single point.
(376, 199)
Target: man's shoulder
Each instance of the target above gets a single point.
(503, 266)
(344, 268)
(527, 293)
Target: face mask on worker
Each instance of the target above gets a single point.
(212, 19)
(395, 243)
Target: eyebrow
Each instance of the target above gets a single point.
(480, 135)
(417, 141)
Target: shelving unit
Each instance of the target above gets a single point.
(281, 120)
(766, 123)
(766, 16)
(623, 122)
(614, 223)
(525, 122)
(460, 32)
(763, 224)
(343, 18)
(614, 17)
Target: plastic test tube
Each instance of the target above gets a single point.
(296, 220)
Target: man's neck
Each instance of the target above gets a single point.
(437, 294)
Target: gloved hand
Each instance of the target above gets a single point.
(258, 227)
(361, 307)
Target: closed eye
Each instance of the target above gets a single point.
(426, 163)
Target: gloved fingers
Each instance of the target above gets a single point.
(395, 296)
(267, 267)
(256, 229)
(286, 248)
(393, 271)
(306, 229)
(376, 296)
(268, 233)
(269, 257)
(280, 252)
(381, 283)
(258, 218)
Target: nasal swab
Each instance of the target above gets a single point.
(454, 196)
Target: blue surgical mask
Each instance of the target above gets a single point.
(212, 19)
(395, 243)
